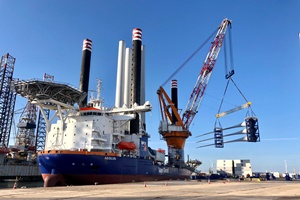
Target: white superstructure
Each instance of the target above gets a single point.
(94, 128)
(90, 128)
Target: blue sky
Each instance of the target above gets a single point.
(46, 37)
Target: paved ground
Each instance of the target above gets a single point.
(279, 190)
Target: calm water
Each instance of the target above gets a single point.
(27, 184)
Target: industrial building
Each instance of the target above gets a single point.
(234, 167)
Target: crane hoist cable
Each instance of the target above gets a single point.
(217, 126)
(228, 76)
(190, 57)
(249, 112)
(237, 108)
(250, 121)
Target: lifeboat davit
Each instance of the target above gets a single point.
(126, 145)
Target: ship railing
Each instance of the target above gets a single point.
(41, 80)
(100, 145)
(97, 142)
(103, 139)
(118, 134)
(98, 137)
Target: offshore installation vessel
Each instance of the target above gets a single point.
(88, 143)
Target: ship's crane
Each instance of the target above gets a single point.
(175, 130)
(205, 73)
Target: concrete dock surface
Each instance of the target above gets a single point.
(276, 190)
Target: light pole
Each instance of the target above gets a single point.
(285, 163)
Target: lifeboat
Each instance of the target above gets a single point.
(89, 109)
(126, 145)
(161, 150)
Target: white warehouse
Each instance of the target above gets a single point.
(234, 167)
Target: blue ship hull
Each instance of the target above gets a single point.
(83, 169)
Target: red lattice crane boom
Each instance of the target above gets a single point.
(203, 78)
(174, 128)
(175, 132)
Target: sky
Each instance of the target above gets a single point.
(46, 37)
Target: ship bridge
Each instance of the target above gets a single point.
(48, 94)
